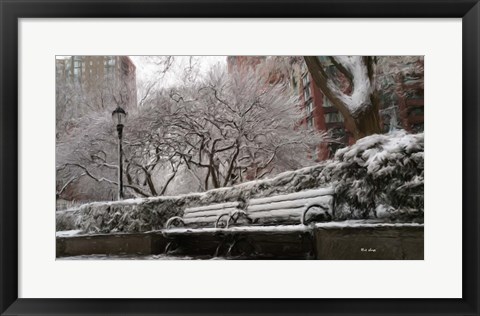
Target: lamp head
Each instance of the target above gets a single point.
(119, 116)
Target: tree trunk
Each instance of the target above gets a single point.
(363, 124)
(368, 123)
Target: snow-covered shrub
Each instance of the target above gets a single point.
(380, 170)
(66, 219)
(380, 174)
(135, 215)
(140, 215)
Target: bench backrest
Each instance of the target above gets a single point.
(208, 215)
(289, 208)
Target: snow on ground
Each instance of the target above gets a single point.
(68, 233)
(127, 257)
(292, 228)
(208, 230)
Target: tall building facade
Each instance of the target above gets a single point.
(91, 72)
(401, 106)
(321, 115)
(244, 63)
(410, 95)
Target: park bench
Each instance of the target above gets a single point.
(294, 208)
(223, 228)
(204, 216)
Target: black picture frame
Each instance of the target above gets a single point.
(11, 11)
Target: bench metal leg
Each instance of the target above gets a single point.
(239, 214)
(304, 214)
(173, 220)
(171, 246)
(220, 217)
(238, 242)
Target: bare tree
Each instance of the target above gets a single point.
(239, 127)
(90, 151)
(86, 140)
(217, 128)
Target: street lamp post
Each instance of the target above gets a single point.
(119, 115)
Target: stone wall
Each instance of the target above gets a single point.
(330, 242)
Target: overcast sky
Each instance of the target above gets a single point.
(147, 71)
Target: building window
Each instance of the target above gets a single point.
(337, 133)
(307, 94)
(111, 61)
(306, 81)
(77, 68)
(317, 152)
(326, 102)
(333, 118)
(110, 67)
(304, 67)
(309, 108)
(310, 121)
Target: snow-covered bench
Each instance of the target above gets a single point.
(294, 208)
(210, 229)
(204, 216)
(273, 224)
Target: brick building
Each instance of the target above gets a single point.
(117, 72)
(321, 114)
(244, 63)
(411, 102)
(401, 106)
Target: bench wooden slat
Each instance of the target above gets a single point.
(279, 220)
(210, 213)
(293, 196)
(325, 201)
(198, 220)
(211, 207)
(295, 212)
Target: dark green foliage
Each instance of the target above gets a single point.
(379, 172)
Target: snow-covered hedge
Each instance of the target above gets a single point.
(380, 174)
(138, 215)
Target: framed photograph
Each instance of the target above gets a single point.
(250, 158)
